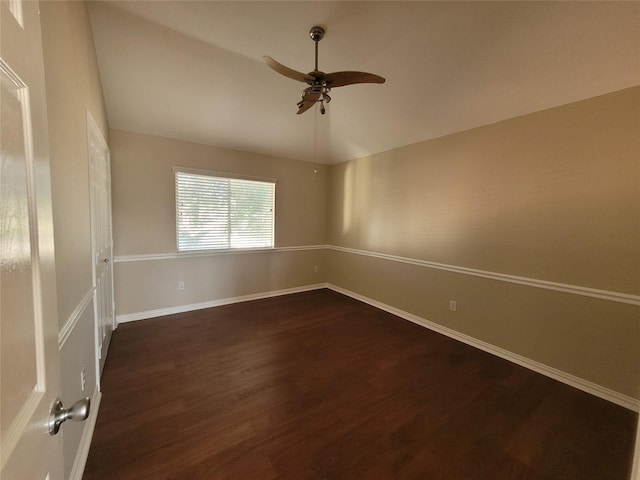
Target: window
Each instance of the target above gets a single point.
(218, 212)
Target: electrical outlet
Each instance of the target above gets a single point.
(180, 285)
(316, 268)
(453, 306)
(83, 379)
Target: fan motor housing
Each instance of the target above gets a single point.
(316, 33)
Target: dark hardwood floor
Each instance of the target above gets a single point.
(317, 385)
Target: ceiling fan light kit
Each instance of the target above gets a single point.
(320, 83)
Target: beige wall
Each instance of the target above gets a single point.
(73, 87)
(144, 223)
(550, 196)
(553, 196)
(148, 285)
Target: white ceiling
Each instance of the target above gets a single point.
(194, 70)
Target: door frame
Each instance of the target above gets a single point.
(94, 137)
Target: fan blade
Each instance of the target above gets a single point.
(288, 72)
(309, 99)
(339, 79)
(305, 106)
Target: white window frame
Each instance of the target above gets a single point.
(217, 243)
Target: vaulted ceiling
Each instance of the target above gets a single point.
(194, 70)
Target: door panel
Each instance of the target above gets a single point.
(17, 276)
(29, 372)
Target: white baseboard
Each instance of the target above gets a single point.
(566, 378)
(85, 440)
(131, 317)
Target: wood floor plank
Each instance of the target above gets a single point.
(320, 386)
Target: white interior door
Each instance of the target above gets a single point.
(102, 243)
(29, 380)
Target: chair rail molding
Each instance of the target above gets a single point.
(72, 321)
(213, 253)
(502, 277)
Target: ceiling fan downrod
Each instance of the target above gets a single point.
(316, 33)
(319, 87)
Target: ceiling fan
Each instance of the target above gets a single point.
(320, 83)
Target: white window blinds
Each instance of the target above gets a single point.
(223, 213)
